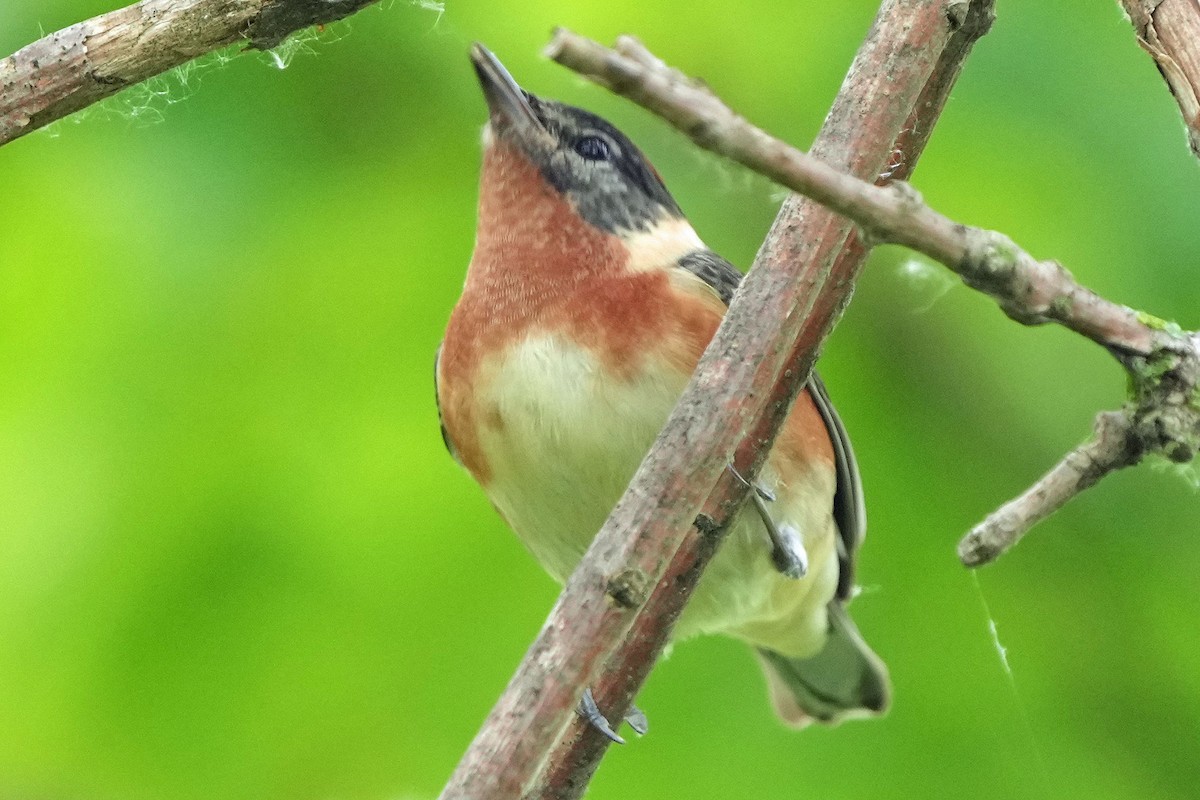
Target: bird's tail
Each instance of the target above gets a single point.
(845, 680)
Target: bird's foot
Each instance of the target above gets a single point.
(788, 553)
(761, 491)
(636, 718)
(591, 713)
(787, 549)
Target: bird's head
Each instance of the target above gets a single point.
(538, 153)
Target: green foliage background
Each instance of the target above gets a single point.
(235, 561)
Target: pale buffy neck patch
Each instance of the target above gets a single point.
(670, 239)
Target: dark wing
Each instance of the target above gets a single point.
(848, 510)
(718, 273)
(437, 357)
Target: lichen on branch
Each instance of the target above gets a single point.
(77, 66)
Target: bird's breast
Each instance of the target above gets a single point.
(553, 409)
(562, 433)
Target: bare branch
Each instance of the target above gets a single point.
(1029, 290)
(1163, 361)
(852, 139)
(1169, 30)
(637, 574)
(80, 65)
(1114, 446)
(1162, 418)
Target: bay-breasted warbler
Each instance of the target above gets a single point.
(588, 302)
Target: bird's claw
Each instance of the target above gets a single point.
(760, 490)
(591, 712)
(637, 720)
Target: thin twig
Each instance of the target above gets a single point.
(1162, 360)
(72, 68)
(1163, 417)
(1029, 290)
(1114, 446)
(770, 335)
(1169, 30)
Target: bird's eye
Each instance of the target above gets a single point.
(592, 148)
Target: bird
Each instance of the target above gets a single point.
(588, 300)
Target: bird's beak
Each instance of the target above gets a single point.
(506, 101)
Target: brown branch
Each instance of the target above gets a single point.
(637, 574)
(1163, 417)
(85, 63)
(859, 144)
(1169, 30)
(1029, 290)
(1115, 446)
(1163, 362)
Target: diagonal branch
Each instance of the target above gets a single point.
(1163, 415)
(72, 68)
(637, 575)
(1114, 446)
(848, 137)
(1169, 30)
(1028, 290)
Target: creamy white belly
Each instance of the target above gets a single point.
(565, 444)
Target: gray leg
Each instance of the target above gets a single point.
(787, 550)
